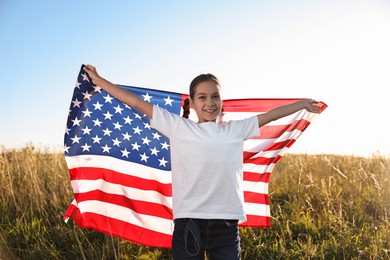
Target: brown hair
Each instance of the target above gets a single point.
(194, 83)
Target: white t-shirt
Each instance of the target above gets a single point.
(206, 161)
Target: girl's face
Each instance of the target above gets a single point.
(207, 101)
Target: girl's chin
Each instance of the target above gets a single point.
(208, 119)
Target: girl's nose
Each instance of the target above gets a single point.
(210, 102)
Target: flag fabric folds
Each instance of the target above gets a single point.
(119, 166)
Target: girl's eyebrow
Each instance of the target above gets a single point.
(197, 94)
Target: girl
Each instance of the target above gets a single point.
(206, 162)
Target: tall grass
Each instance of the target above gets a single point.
(326, 207)
(322, 206)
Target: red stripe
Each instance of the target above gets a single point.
(141, 207)
(256, 221)
(183, 98)
(271, 147)
(255, 176)
(260, 105)
(279, 145)
(254, 197)
(85, 173)
(261, 160)
(255, 105)
(118, 228)
(275, 131)
(73, 212)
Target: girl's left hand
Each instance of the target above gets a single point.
(311, 107)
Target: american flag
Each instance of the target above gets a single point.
(120, 168)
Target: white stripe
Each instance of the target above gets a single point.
(257, 209)
(268, 154)
(157, 224)
(82, 186)
(256, 186)
(256, 145)
(110, 163)
(251, 167)
(228, 116)
(282, 121)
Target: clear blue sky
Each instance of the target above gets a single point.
(334, 51)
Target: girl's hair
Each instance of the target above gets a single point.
(194, 83)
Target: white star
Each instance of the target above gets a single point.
(162, 162)
(136, 146)
(165, 145)
(108, 99)
(117, 126)
(146, 125)
(116, 142)
(144, 157)
(107, 115)
(75, 139)
(118, 109)
(97, 122)
(96, 139)
(86, 147)
(125, 153)
(66, 149)
(147, 97)
(77, 85)
(87, 95)
(156, 136)
(86, 130)
(128, 120)
(137, 130)
(76, 122)
(87, 113)
(107, 132)
(145, 140)
(67, 130)
(97, 89)
(85, 77)
(126, 136)
(154, 151)
(97, 105)
(168, 101)
(138, 116)
(106, 149)
(76, 103)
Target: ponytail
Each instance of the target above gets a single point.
(186, 108)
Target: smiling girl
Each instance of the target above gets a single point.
(206, 162)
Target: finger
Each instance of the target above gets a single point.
(86, 68)
(89, 67)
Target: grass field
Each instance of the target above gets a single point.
(322, 206)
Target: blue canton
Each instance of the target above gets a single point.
(99, 124)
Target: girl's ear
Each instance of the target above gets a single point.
(191, 102)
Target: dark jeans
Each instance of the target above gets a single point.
(218, 238)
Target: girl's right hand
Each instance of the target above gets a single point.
(92, 72)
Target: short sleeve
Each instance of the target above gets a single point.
(163, 120)
(251, 127)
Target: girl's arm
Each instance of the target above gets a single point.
(283, 111)
(123, 95)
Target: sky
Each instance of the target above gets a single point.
(333, 51)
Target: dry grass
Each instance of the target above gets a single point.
(323, 207)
